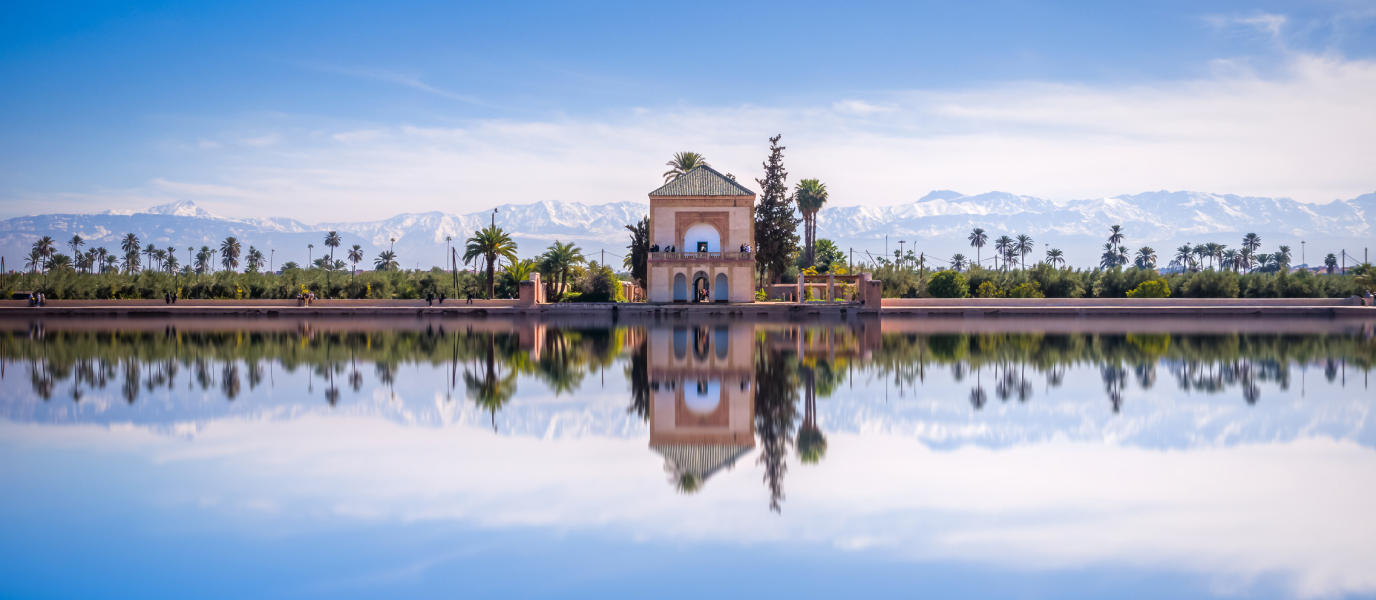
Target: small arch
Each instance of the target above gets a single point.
(721, 341)
(702, 232)
(722, 290)
(680, 288)
(703, 398)
(700, 277)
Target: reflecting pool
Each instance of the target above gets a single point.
(284, 458)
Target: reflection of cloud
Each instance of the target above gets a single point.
(1296, 510)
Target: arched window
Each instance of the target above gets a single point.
(721, 290)
(701, 232)
(680, 288)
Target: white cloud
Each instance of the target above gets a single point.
(1304, 134)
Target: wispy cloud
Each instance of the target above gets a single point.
(1304, 133)
(404, 79)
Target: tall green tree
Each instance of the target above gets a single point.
(75, 244)
(776, 226)
(355, 255)
(1055, 257)
(682, 163)
(332, 240)
(386, 261)
(229, 250)
(977, 240)
(559, 259)
(639, 255)
(1251, 242)
(1024, 246)
(490, 244)
(129, 244)
(810, 194)
(149, 252)
(1003, 246)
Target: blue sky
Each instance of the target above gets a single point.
(299, 109)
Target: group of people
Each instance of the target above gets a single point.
(430, 299)
(169, 298)
(305, 299)
(37, 299)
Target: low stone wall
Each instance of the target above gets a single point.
(1115, 302)
(365, 303)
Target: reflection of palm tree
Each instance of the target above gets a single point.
(1115, 377)
(977, 395)
(812, 444)
(229, 380)
(492, 391)
(638, 373)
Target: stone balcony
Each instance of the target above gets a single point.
(701, 256)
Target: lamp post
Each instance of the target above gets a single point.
(272, 254)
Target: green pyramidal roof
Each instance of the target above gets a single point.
(702, 181)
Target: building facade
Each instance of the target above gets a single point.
(702, 225)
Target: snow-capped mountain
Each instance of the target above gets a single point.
(936, 224)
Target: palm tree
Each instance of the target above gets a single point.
(1230, 260)
(682, 163)
(131, 261)
(101, 256)
(1244, 258)
(1055, 257)
(1109, 258)
(1217, 250)
(386, 261)
(1283, 257)
(490, 243)
(958, 262)
(110, 264)
(203, 260)
(1264, 261)
(59, 262)
(1183, 254)
(230, 249)
(811, 194)
(45, 249)
(1202, 251)
(1002, 245)
(130, 244)
(1115, 235)
(1146, 258)
(355, 255)
(149, 252)
(1251, 241)
(34, 261)
(1330, 261)
(171, 257)
(332, 241)
(255, 259)
(517, 271)
(75, 244)
(1024, 247)
(160, 256)
(560, 259)
(977, 239)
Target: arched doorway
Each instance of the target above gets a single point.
(701, 233)
(680, 288)
(722, 291)
(700, 286)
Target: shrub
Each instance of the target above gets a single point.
(1155, 288)
(989, 289)
(1030, 289)
(947, 284)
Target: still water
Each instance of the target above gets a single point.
(492, 458)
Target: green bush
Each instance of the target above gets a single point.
(947, 284)
(1030, 289)
(1156, 288)
(989, 289)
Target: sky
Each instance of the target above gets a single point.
(360, 111)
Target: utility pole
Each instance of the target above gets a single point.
(1302, 259)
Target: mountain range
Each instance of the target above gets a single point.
(937, 224)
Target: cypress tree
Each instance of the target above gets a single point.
(776, 223)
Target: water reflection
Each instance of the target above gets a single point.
(710, 394)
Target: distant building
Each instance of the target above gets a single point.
(700, 222)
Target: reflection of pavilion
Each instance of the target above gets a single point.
(701, 399)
